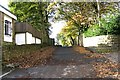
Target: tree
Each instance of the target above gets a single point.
(34, 13)
(110, 25)
(70, 32)
(82, 14)
(63, 39)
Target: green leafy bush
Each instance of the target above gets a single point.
(95, 30)
(110, 24)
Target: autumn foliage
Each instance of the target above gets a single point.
(104, 68)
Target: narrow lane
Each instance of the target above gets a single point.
(65, 63)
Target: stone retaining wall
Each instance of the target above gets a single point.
(102, 41)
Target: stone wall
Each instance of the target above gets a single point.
(102, 41)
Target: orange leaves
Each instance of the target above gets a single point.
(103, 66)
(79, 18)
(82, 20)
(33, 59)
(85, 51)
(81, 49)
(106, 69)
(95, 55)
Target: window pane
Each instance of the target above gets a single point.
(7, 27)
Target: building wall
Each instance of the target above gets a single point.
(7, 12)
(26, 38)
(8, 38)
(20, 38)
(38, 41)
(13, 30)
(1, 27)
(33, 40)
(1, 38)
(104, 40)
(29, 38)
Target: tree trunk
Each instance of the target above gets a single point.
(73, 42)
(98, 9)
(41, 20)
(119, 6)
(79, 38)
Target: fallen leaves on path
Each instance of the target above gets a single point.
(81, 49)
(38, 57)
(104, 68)
(88, 53)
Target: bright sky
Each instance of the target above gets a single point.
(56, 26)
(4, 3)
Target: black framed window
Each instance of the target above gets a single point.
(8, 29)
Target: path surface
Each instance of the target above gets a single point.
(65, 63)
(114, 56)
